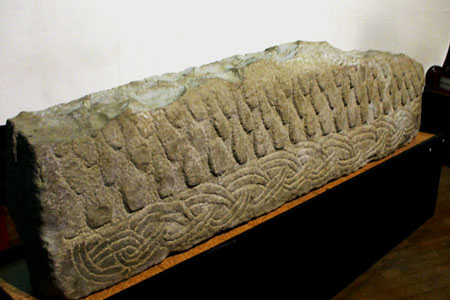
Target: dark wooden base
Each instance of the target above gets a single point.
(416, 269)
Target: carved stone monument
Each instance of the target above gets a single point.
(106, 186)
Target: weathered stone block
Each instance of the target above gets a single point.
(106, 186)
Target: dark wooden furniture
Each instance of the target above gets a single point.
(436, 102)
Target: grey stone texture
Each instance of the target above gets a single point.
(108, 185)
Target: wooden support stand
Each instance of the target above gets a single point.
(311, 247)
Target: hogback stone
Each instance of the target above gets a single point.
(106, 186)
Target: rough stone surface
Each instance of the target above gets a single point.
(108, 185)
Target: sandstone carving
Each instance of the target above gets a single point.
(110, 184)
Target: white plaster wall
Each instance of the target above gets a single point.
(56, 51)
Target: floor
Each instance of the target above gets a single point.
(419, 267)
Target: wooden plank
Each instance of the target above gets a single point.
(14, 292)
